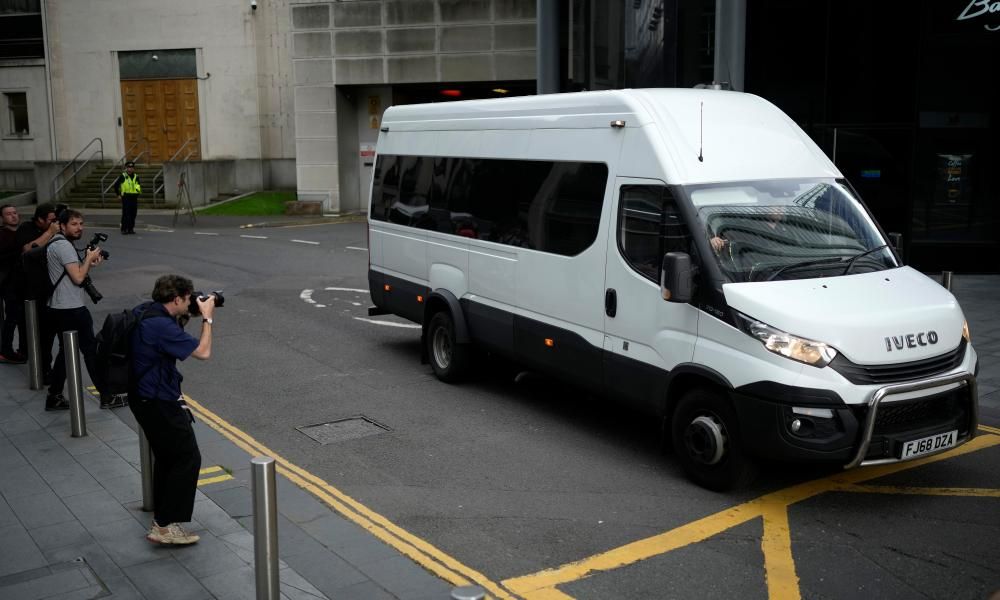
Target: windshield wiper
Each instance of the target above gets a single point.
(850, 263)
(807, 263)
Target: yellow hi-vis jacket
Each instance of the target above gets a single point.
(130, 185)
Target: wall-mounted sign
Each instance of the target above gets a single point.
(374, 105)
(953, 183)
(981, 10)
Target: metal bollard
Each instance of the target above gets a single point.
(468, 592)
(34, 345)
(265, 528)
(946, 280)
(146, 466)
(74, 384)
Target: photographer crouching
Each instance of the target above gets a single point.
(158, 342)
(66, 310)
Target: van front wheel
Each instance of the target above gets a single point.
(707, 442)
(449, 359)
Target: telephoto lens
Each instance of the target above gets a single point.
(193, 308)
(88, 286)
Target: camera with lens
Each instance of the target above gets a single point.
(97, 239)
(195, 310)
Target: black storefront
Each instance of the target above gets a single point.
(904, 96)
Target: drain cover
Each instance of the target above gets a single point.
(344, 429)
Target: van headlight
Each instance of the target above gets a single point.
(965, 332)
(790, 346)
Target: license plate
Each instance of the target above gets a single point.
(929, 444)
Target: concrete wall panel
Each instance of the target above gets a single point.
(464, 10)
(478, 38)
(515, 10)
(360, 70)
(411, 40)
(309, 45)
(514, 65)
(308, 72)
(311, 17)
(466, 67)
(409, 12)
(514, 37)
(357, 14)
(405, 69)
(316, 152)
(358, 42)
(316, 124)
(317, 177)
(314, 98)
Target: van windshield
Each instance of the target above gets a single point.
(788, 229)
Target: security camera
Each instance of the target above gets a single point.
(253, 4)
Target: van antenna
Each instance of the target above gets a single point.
(701, 125)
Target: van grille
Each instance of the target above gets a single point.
(918, 369)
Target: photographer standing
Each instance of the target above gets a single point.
(67, 311)
(158, 342)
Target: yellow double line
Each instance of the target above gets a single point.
(214, 478)
(420, 551)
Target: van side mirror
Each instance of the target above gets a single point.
(896, 239)
(676, 277)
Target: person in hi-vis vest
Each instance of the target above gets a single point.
(127, 187)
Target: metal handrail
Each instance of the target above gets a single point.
(120, 164)
(159, 174)
(100, 150)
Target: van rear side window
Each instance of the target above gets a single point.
(551, 206)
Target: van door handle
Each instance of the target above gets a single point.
(610, 302)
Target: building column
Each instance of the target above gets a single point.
(547, 44)
(730, 42)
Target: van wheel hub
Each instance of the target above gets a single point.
(705, 440)
(441, 347)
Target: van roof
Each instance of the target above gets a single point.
(740, 136)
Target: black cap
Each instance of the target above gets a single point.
(130, 164)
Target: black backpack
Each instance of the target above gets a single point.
(115, 379)
(35, 264)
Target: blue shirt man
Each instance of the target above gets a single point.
(158, 342)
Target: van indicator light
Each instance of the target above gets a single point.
(550, 343)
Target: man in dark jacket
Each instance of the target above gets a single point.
(128, 189)
(158, 342)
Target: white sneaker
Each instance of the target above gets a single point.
(171, 534)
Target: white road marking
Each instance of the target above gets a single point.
(338, 289)
(255, 237)
(356, 248)
(306, 242)
(307, 296)
(388, 323)
(205, 233)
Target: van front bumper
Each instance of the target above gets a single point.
(829, 430)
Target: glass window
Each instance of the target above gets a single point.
(788, 229)
(17, 112)
(649, 226)
(548, 206)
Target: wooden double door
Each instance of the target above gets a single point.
(164, 112)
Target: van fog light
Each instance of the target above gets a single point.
(790, 346)
(822, 413)
(796, 425)
(807, 422)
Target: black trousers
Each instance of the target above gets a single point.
(130, 208)
(176, 458)
(13, 318)
(72, 319)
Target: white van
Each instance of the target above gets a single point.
(690, 252)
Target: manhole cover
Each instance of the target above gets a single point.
(344, 429)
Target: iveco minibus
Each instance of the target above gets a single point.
(688, 252)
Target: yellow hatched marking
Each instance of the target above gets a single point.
(919, 491)
(537, 585)
(992, 430)
(208, 470)
(419, 550)
(779, 565)
(209, 480)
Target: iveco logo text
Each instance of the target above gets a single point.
(910, 340)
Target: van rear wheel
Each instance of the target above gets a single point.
(706, 439)
(449, 359)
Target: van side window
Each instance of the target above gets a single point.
(543, 205)
(649, 226)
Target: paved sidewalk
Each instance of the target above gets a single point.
(72, 526)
